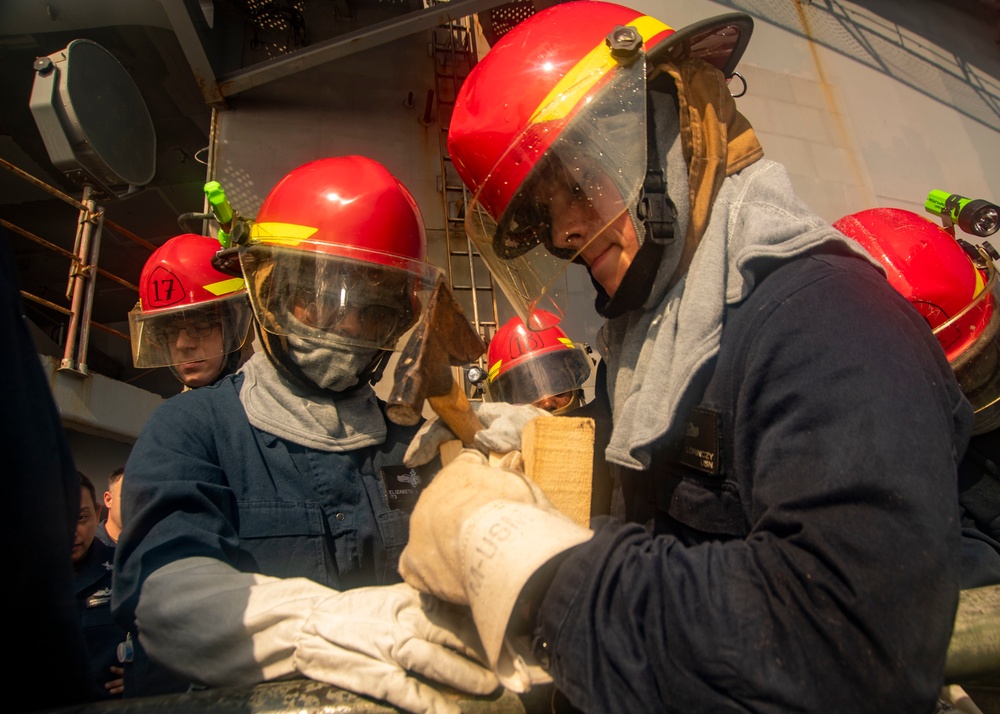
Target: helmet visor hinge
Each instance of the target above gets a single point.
(625, 43)
(980, 254)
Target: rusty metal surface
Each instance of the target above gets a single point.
(974, 650)
(973, 661)
(296, 696)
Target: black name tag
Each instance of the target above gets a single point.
(403, 486)
(699, 446)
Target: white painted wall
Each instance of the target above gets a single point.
(871, 113)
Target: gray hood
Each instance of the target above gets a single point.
(654, 353)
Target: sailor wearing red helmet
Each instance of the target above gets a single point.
(190, 317)
(537, 365)
(784, 434)
(265, 514)
(954, 286)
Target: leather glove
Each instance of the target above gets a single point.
(370, 640)
(431, 562)
(210, 623)
(477, 535)
(502, 424)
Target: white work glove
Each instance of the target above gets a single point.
(370, 640)
(501, 434)
(212, 624)
(477, 535)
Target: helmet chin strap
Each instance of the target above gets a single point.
(577, 400)
(654, 209)
(635, 285)
(986, 418)
(654, 216)
(231, 364)
(373, 373)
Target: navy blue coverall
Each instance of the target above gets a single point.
(799, 541)
(92, 578)
(204, 482)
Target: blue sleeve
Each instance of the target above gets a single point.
(176, 500)
(979, 500)
(848, 426)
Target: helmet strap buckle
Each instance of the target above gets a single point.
(657, 215)
(654, 208)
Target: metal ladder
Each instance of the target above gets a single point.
(454, 53)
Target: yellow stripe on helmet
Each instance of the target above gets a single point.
(980, 284)
(283, 233)
(567, 342)
(495, 369)
(588, 71)
(224, 287)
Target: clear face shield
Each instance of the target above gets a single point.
(576, 197)
(336, 294)
(977, 367)
(552, 373)
(190, 333)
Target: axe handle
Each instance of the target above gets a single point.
(455, 411)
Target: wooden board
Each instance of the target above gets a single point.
(559, 456)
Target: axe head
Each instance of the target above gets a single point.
(444, 338)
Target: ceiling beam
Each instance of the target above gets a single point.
(191, 44)
(217, 89)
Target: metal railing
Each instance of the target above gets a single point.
(83, 269)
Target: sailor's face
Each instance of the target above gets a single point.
(366, 304)
(554, 402)
(86, 526)
(191, 343)
(587, 214)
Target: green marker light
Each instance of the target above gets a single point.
(222, 210)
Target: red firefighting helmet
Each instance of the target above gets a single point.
(338, 254)
(954, 288)
(554, 98)
(180, 290)
(528, 365)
